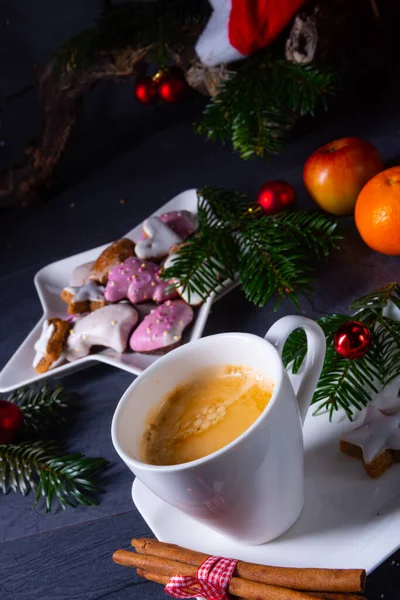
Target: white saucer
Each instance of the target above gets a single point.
(349, 520)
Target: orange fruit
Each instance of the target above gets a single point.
(377, 212)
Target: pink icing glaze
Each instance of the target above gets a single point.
(162, 327)
(137, 280)
(182, 222)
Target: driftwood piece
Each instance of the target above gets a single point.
(60, 96)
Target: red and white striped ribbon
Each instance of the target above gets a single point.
(212, 581)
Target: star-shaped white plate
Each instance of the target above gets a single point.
(49, 282)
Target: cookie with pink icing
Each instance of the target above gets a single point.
(109, 326)
(182, 222)
(162, 329)
(139, 281)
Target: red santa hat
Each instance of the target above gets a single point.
(238, 28)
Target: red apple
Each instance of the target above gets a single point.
(335, 174)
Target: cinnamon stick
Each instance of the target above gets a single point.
(318, 580)
(163, 580)
(251, 590)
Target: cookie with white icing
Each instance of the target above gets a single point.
(112, 256)
(192, 298)
(376, 442)
(139, 281)
(158, 241)
(182, 222)
(80, 274)
(49, 347)
(109, 327)
(162, 329)
(86, 298)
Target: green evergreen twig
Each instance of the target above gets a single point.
(256, 106)
(349, 384)
(268, 255)
(43, 408)
(45, 468)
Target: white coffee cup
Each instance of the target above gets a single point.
(252, 489)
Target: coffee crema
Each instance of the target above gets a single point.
(204, 414)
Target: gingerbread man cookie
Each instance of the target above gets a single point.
(139, 281)
(158, 241)
(50, 346)
(85, 298)
(109, 326)
(376, 441)
(162, 329)
(110, 257)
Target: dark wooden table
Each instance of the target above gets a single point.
(67, 554)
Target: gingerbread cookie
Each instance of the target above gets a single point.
(139, 281)
(80, 274)
(158, 241)
(376, 442)
(162, 329)
(87, 298)
(109, 326)
(50, 346)
(182, 222)
(110, 257)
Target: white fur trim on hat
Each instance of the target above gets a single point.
(213, 46)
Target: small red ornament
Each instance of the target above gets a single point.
(276, 196)
(352, 340)
(171, 87)
(11, 421)
(145, 90)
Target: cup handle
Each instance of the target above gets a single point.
(305, 382)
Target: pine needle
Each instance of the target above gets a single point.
(43, 408)
(42, 466)
(349, 384)
(268, 255)
(256, 106)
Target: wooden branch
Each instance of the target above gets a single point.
(60, 96)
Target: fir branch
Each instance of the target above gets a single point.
(345, 383)
(44, 467)
(349, 384)
(387, 334)
(206, 261)
(257, 105)
(295, 347)
(370, 306)
(268, 255)
(43, 408)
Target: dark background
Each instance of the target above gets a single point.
(122, 150)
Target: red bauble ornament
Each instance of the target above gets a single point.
(352, 340)
(276, 196)
(145, 90)
(171, 87)
(11, 421)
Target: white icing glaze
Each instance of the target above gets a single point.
(159, 241)
(80, 274)
(195, 298)
(42, 342)
(89, 292)
(378, 432)
(109, 326)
